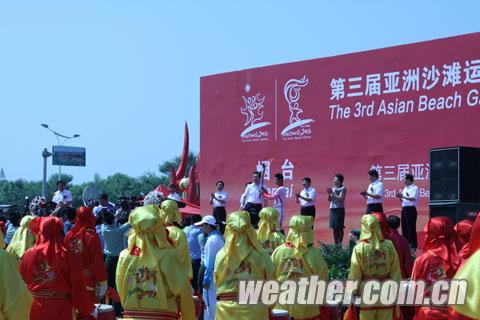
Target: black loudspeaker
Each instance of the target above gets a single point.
(454, 175)
(454, 211)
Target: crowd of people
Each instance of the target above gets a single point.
(147, 262)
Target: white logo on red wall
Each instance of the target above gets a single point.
(298, 128)
(253, 112)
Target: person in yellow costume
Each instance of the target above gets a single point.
(171, 217)
(150, 276)
(23, 239)
(15, 302)
(298, 258)
(268, 234)
(242, 258)
(374, 258)
(469, 271)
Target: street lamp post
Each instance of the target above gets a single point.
(45, 155)
(58, 136)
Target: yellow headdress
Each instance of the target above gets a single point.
(268, 223)
(370, 231)
(240, 241)
(23, 239)
(300, 234)
(169, 212)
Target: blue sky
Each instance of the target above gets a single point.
(125, 74)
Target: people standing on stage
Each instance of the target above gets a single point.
(218, 200)
(336, 196)
(409, 197)
(253, 199)
(374, 193)
(279, 197)
(307, 198)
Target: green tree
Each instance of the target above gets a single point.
(164, 168)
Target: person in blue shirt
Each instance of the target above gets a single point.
(213, 245)
(192, 231)
(13, 223)
(113, 236)
(69, 215)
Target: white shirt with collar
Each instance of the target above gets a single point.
(62, 196)
(377, 189)
(174, 196)
(252, 194)
(411, 191)
(222, 195)
(310, 193)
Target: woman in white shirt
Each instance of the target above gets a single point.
(336, 196)
(218, 200)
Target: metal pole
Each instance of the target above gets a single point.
(45, 155)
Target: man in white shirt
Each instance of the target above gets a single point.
(409, 198)
(104, 204)
(174, 195)
(62, 197)
(218, 200)
(307, 198)
(253, 199)
(279, 197)
(374, 193)
(213, 245)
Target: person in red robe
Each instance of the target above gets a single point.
(389, 228)
(463, 229)
(470, 256)
(51, 275)
(439, 261)
(473, 244)
(83, 241)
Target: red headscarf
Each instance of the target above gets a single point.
(463, 229)
(85, 221)
(474, 244)
(440, 239)
(49, 239)
(383, 222)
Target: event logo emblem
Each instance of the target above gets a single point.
(253, 112)
(298, 128)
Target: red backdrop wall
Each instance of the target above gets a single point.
(383, 108)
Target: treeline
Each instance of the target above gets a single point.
(117, 185)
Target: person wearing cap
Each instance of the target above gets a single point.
(171, 217)
(213, 245)
(297, 258)
(374, 258)
(267, 233)
(242, 258)
(151, 280)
